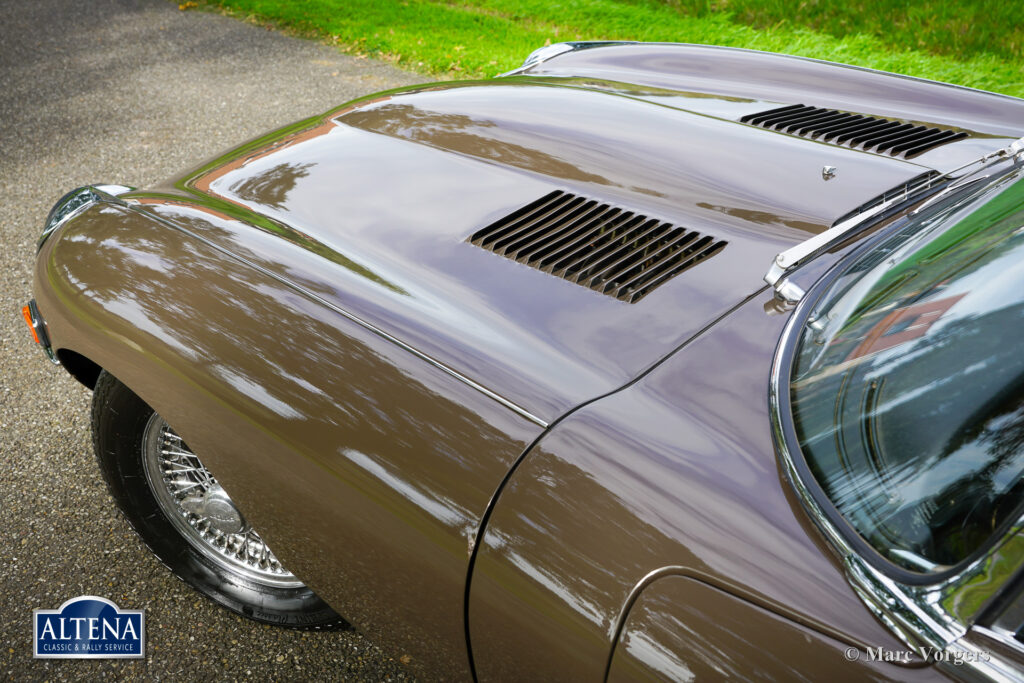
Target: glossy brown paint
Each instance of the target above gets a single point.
(695, 72)
(660, 642)
(372, 207)
(307, 312)
(365, 468)
(677, 471)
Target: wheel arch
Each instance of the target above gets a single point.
(82, 368)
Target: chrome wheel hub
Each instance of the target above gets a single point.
(201, 510)
(216, 508)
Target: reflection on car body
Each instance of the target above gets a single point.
(364, 337)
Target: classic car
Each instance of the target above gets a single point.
(639, 361)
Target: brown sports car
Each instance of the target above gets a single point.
(493, 369)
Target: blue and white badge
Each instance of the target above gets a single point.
(88, 627)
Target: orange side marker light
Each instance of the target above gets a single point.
(26, 313)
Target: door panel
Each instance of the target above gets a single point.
(680, 629)
(678, 469)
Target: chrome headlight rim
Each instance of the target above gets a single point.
(75, 202)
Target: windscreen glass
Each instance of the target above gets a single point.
(908, 381)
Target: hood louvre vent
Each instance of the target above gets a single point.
(893, 138)
(608, 249)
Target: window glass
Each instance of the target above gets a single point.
(908, 382)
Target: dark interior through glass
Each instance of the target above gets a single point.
(908, 382)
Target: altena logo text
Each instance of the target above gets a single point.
(88, 627)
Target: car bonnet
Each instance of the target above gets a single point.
(373, 207)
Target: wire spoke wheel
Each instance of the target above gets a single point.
(202, 511)
(182, 513)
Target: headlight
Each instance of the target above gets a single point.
(75, 202)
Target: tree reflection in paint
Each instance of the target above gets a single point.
(273, 185)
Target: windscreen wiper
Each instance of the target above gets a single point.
(788, 260)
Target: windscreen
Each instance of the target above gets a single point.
(908, 381)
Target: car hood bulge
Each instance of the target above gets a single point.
(371, 208)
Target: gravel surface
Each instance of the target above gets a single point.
(130, 92)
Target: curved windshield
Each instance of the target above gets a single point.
(908, 382)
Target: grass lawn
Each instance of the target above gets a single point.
(979, 43)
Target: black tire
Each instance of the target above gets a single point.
(119, 420)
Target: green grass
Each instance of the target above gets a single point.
(956, 28)
(479, 38)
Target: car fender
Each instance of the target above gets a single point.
(363, 466)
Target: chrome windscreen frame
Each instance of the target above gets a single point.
(785, 262)
(930, 613)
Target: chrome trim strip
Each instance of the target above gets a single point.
(542, 54)
(113, 190)
(929, 618)
(136, 208)
(999, 635)
(918, 627)
(976, 664)
(75, 202)
(39, 326)
(808, 249)
(548, 52)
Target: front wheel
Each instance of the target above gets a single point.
(188, 520)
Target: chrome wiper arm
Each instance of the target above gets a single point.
(787, 260)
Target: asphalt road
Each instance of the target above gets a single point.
(131, 92)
